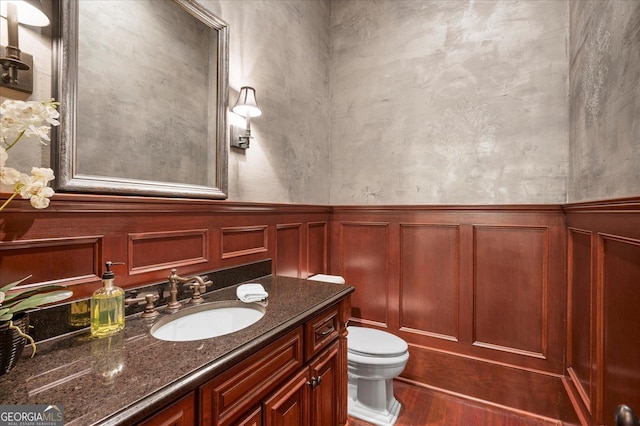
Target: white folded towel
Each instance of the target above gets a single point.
(251, 292)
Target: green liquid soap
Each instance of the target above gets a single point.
(107, 312)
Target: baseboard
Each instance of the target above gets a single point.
(577, 402)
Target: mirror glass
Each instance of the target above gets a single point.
(143, 87)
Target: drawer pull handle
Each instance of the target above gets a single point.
(329, 330)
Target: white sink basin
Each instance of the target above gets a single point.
(207, 320)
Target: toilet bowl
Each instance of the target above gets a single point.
(374, 359)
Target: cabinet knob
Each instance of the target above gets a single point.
(625, 416)
(315, 382)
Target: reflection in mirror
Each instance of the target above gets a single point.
(143, 87)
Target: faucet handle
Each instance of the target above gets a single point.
(149, 309)
(205, 284)
(134, 300)
(199, 286)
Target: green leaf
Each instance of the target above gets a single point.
(39, 299)
(13, 284)
(3, 311)
(6, 317)
(28, 293)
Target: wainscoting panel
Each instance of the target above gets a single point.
(620, 289)
(510, 289)
(151, 251)
(288, 259)
(429, 302)
(317, 247)
(244, 240)
(72, 261)
(363, 254)
(580, 309)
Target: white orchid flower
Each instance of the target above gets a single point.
(9, 175)
(40, 200)
(43, 174)
(23, 120)
(28, 119)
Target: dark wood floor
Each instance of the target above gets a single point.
(422, 406)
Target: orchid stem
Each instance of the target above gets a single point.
(8, 200)
(26, 336)
(14, 142)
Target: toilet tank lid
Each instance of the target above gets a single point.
(369, 341)
(337, 279)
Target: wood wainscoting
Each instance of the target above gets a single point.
(491, 299)
(69, 242)
(603, 312)
(477, 292)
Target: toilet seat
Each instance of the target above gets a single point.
(369, 342)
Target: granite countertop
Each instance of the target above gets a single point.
(123, 378)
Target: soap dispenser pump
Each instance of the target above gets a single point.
(107, 305)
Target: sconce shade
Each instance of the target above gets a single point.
(29, 12)
(246, 104)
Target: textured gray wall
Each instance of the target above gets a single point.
(605, 100)
(281, 48)
(433, 101)
(442, 102)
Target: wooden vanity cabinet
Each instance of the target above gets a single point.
(300, 379)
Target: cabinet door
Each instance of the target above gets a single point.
(289, 406)
(326, 394)
(180, 413)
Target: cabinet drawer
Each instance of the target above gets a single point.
(320, 331)
(235, 391)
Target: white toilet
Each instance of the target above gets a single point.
(374, 359)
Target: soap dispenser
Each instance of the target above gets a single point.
(107, 306)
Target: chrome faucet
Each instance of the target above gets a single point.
(197, 283)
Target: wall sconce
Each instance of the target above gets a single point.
(247, 107)
(17, 66)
